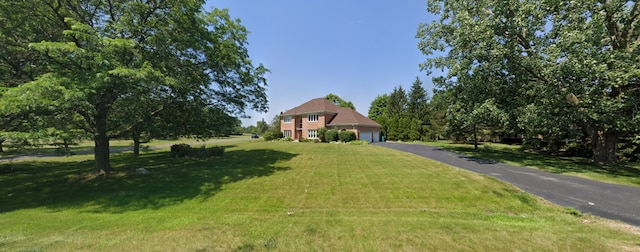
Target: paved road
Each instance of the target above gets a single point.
(610, 201)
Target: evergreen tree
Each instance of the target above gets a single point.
(395, 120)
(417, 111)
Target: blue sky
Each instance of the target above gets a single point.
(355, 49)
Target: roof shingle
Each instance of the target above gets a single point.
(347, 116)
(317, 105)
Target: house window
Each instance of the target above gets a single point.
(287, 119)
(312, 134)
(313, 118)
(286, 133)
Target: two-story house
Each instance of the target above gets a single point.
(304, 121)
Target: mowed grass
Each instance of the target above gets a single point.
(340, 198)
(624, 173)
(88, 146)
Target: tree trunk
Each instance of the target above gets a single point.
(102, 143)
(475, 138)
(136, 144)
(1, 142)
(604, 146)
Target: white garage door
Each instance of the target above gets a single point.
(365, 135)
(376, 136)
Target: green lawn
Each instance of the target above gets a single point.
(17, 150)
(343, 198)
(623, 173)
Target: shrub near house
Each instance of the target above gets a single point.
(331, 136)
(347, 136)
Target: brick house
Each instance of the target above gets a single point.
(304, 121)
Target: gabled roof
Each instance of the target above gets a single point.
(347, 116)
(344, 116)
(317, 105)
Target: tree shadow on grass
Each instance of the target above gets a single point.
(63, 185)
(548, 162)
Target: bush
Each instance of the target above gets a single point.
(204, 152)
(180, 150)
(331, 136)
(270, 136)
(579, 150)
(185, 150)
(347, 136)
(322, 132)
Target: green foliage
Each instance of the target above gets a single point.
(403, 116)
(286, 139)
(207, 152)
(275, 124)
(322, 134)
(180, 150)
(378, 108)
(397, 103)
(566, 71)
(630, 148)
(251, 129)
(396, 122)
(270, 135)
(347, 136)
(332, 136)
(359, 142)
(135, 69)
(417, 109)
(261, 127)
(339, 101)
(184, 150)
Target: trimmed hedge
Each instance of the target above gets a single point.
(180, 150)
(322, 133)
(185, 150)
(347, 136)
(331, 136)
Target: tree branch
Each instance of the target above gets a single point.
(154, 113)
(613, 28)
(87, 118)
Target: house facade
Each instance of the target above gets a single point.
(304, 121)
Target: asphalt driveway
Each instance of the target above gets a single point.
(610, 201)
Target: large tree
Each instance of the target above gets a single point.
(580, 56)
(19, 64)
(378, 108)
(138, 57)
(339, 101)
(417, 103)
